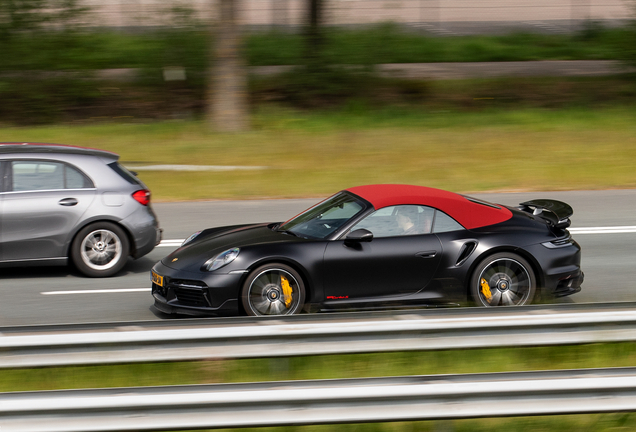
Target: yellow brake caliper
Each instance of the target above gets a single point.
(485, 289)
(287, 291)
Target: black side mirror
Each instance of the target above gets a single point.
(359, 235)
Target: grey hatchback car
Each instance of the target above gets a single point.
(61, 203)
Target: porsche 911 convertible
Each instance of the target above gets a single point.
(376, 247)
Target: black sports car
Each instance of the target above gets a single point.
(371, 247)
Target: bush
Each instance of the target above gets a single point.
(36, 99)
(25, 16)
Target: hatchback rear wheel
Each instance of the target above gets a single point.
(100, 249)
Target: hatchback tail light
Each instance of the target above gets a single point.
(142, 196)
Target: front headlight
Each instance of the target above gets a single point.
(221, 259)
(192, 237)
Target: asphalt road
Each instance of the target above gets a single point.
(56, 295)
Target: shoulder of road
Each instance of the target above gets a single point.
(438, 71)
(433, 71)
(466, 70)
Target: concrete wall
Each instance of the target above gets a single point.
(452, 16)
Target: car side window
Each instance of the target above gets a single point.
(46, 175)
(398, 220)
(445, 223)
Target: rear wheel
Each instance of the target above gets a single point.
(100, 249)
(273, 289)
(503, 279)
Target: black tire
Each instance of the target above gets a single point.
(100, 249)
(263, 292)
(503, 279)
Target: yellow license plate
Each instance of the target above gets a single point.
(156, 278)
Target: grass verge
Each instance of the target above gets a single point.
(323, 367)
(319, 153)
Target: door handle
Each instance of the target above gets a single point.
(68, 202)
(427, 254)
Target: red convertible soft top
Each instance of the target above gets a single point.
(470, 212)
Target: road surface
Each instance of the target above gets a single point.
(60, 295)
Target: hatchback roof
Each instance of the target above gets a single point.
(15, 147)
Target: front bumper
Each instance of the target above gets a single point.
(191, 293)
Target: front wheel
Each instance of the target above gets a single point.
(503, 279)
(273, 289)
(100, 249)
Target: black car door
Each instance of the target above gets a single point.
(394, 263)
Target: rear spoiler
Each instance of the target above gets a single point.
(556, 213)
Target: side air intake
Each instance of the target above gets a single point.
(465, 251)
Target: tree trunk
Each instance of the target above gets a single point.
(227, 83)
(313, 47)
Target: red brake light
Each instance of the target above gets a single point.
(142, 196)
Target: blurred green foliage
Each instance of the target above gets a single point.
(628, 44)
(48, 64)
(19, 17)
(32, 99)
(188, 46)
(75, 50)
(390, 43)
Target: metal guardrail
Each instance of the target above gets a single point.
(180, 340)
(321, 402)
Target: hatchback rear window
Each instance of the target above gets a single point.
(124, 173)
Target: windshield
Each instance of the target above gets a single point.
(325, 218)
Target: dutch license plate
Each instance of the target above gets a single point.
(157, 279)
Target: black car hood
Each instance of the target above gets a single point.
(213, 241)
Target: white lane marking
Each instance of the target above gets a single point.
(100, 291)
(603, 230)
(195, 168)
(171, 243)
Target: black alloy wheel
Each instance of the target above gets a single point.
(273, 289)
(503, 279)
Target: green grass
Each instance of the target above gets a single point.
(384, 43)
(316, 154)
(620, 422)
(323, 367)
(358, 366)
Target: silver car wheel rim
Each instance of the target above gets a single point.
(101, 249)
(504, 282)
(267, 295)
